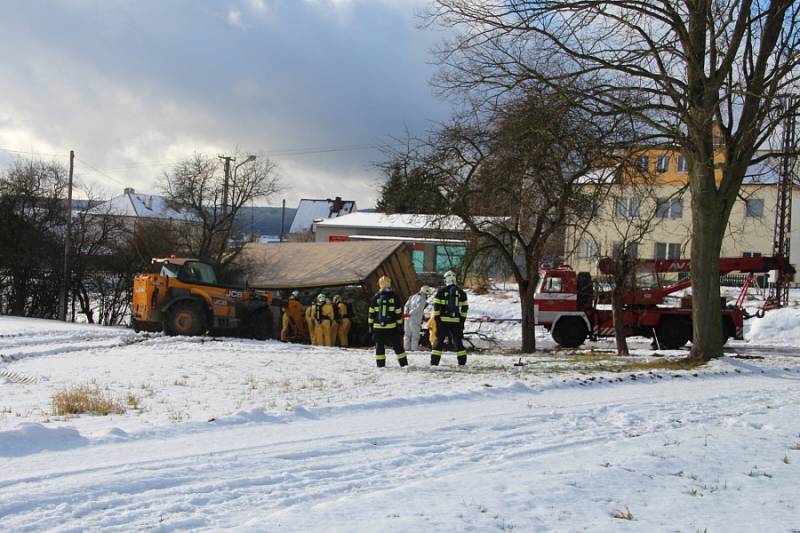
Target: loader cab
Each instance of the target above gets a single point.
(197, 272)
(187, 270)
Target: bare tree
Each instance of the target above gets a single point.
(636, 206)
(709, 76)
(514, 179)
(96, 240)
(198, 185)
(33, 216)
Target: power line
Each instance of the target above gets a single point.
(273, 153)
(32, 153)
(101, 172)
(288, 151)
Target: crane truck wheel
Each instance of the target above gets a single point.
(261, 325)
(185, 318)
(569, 332)
(674, 332)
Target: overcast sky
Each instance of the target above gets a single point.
(133, 86)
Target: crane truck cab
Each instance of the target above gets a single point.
(560, 303)
(184, 297)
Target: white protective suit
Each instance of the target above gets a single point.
(412, 313)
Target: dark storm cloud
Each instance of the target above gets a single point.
(127, 83)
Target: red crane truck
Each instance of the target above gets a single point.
(568, 305)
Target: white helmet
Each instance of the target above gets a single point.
(449, 278)
(321, 298)
(426, 291)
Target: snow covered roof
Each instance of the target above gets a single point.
(133, 204)
(310, 210)
(601, 175)
(764, 172)
(397, 221)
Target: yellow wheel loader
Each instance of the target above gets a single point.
(184, 298)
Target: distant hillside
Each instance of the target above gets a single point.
(265, 220)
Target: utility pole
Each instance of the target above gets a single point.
(62, 309)
(779, 294)
(226, 183)
(283, 215)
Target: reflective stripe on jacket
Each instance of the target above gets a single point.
(385, 311)
(450, 304)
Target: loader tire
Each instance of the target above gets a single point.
(673, 333)
(261, 325)
(185, 318)
(569, 332)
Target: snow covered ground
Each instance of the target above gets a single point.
(264, 436)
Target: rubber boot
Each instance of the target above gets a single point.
(435, 360)
(381, 363)
(403, 361)
(462, 360)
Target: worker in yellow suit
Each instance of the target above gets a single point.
(432, 330)
(342, 322)
(323, 320)
(293, 323)
(312, 331)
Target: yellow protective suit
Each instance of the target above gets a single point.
(312, 330)
(323, 323)
(343, 326)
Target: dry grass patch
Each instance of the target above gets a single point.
(658, 364)
(84, 399)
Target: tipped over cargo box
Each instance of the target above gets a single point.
(351, 269)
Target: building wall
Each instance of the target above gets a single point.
(429, 249)
(744, 234)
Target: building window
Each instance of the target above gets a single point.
(626, 207)
(418, 258)
(643, 163)
(668, 250)
(669, 208)
(683, 166)
(662, 164)
(631, 249)
(449, 258)
(587, 250)
(754, 208)
(751, 254)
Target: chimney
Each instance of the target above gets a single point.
(129, 190)
(338, 204)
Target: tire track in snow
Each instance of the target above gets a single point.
(276, 476)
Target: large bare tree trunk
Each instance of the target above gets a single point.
(526, 291)
(617, 305)
(708, 227)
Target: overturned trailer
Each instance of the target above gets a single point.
(350, 269)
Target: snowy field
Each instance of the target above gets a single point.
(225, 433)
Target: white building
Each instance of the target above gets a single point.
(310, 211)
(437, 244)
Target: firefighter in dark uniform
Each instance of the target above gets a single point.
(386, 323)
(449, 313)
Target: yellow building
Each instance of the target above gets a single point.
(652, 217)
